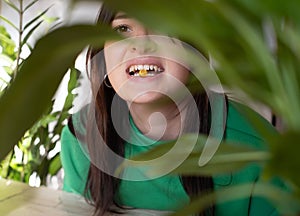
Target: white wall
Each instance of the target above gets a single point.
(82, 12)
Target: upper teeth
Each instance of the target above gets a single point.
(134, 68)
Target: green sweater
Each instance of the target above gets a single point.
(167, 193)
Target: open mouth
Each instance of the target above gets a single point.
(148, 70)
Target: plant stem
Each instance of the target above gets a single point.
(20, 39)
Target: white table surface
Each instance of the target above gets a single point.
(19, 199)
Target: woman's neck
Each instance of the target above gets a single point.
(159, 122)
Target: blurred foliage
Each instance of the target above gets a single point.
(35, 151)
(254, 46)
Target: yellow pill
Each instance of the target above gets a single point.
(143, 73)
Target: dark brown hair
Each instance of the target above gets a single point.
(100, 186)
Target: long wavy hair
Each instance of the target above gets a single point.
(102, 187)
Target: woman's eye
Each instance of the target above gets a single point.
(122, 29)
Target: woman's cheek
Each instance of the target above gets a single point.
(114, 54)
(179, 72)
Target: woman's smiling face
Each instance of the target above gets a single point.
(143, 67)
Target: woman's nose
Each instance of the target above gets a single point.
(143, 42)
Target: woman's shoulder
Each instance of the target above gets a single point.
(72, 136)
(245, 125)
(75, 160)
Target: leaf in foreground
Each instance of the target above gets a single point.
(34, 86)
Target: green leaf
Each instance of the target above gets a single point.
(12, 5)
(9, 70)
(35, 19)
(50, 19)
(17, 167)
(285, 159)
(73, 81)
(39, 77)
(290, 36)
(168, 157)
(24, 41)
(56, 25)
(292, 89)
(43, 170)
(9, 22)
(7, 40)
(30, 5)
(64, 114)
(55, 165)
(44, 120)
(29, 47)
(286, 203)
(255, 43)
(4, 165)
(226, 41)
(7, 44)
(234, 34)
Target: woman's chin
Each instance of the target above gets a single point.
(147, 98)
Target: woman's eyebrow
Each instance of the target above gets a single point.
(121, 16)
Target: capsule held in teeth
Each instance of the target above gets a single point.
(143, 73)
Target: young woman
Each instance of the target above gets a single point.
(139, 101)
